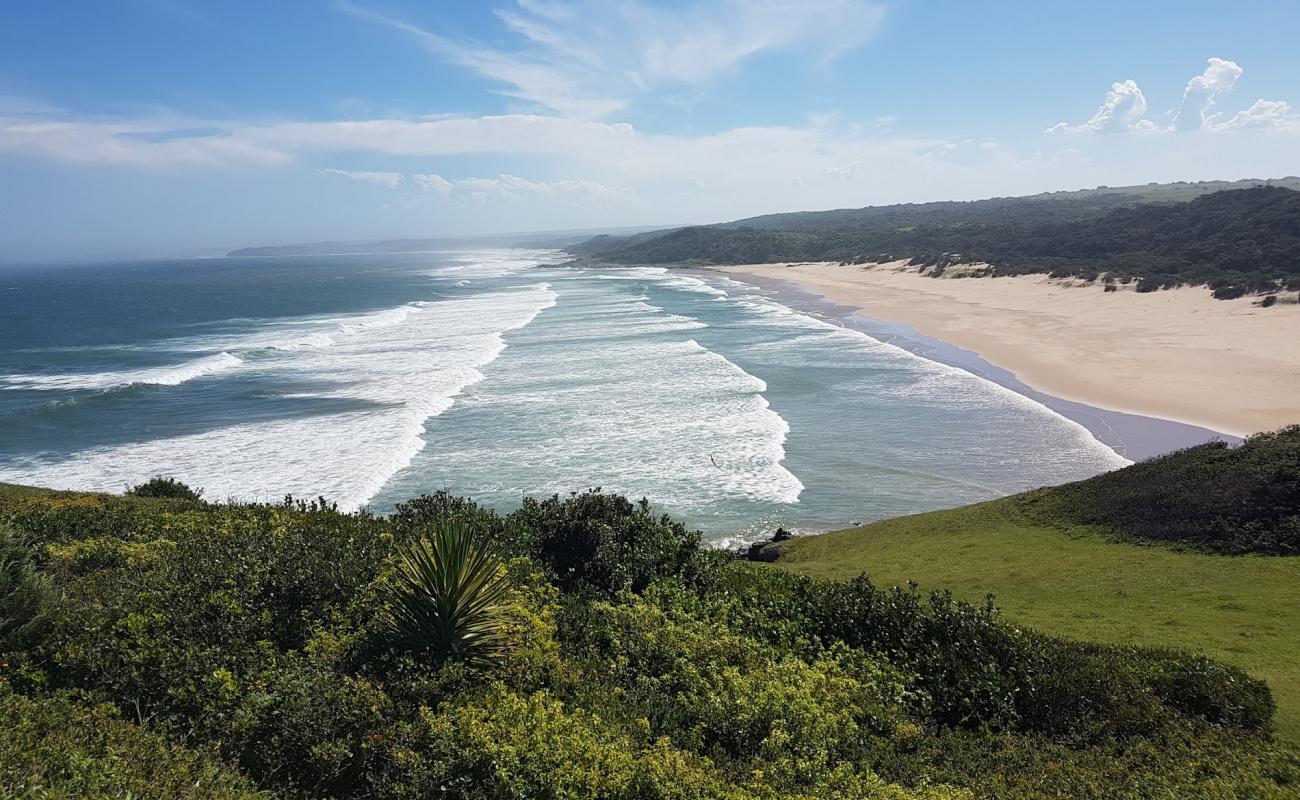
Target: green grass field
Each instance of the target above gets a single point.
(1243, 610)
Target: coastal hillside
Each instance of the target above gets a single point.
(159, 645)
(1135, 556)
(1215, 498)
(1234, 240)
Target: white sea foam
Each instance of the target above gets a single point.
(399, 371)
(613, 391)
(642, 380)
(171, 375)
(940, 386)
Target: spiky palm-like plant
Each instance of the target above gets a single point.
(445, 598)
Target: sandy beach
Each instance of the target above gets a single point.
(1177, 354)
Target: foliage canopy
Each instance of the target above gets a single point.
(234, 646)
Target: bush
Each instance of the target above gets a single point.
(715, 692)
(604, 542)
(56, 749)
(165, 487)
(27, 597)
(502, 744)
(1230, 500)
(638, 666)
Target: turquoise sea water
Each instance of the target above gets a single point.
(373, 378)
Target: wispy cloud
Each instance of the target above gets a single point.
(590, 58)
(499, 186)
(390, 180)
(132, 143)
(1124, 109)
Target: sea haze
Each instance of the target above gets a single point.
(370, 379)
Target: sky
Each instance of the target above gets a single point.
(186, 127)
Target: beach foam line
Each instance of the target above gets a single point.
(938, 382)
(99, 381)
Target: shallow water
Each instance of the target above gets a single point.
(372, 378)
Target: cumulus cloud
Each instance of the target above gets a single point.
(1220, 76)
(434, 183)
(1125, 107)
(1266, 114)
(588, 59)
(387, 179)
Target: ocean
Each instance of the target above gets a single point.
(370, 379)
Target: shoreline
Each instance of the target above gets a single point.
(1135, 435)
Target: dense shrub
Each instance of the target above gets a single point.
(59, 749)
(635, 666)
(713, 691)
(604, 541)
(1211, 497)
(27, 597)
(501, 744)
(165, 487)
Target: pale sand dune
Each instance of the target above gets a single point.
(1178, 354)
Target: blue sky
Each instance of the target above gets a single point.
(137, 127)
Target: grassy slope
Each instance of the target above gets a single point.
(1244, 610)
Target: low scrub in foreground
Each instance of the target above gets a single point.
(208, 650)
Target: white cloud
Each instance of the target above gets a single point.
(503, 186)
(615, 174)
(1124, 109)
(510, 186)
(586, 60)
(135, 143)
(387, 179)
(514, 185)
(1274, 115)
(435, 183)
(845, 173)
(1198, 98)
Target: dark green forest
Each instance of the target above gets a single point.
(1236, 241)
(158, 645)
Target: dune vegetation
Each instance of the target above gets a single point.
(580, 647)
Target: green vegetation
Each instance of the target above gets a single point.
(166, 487)
(1236, 241)
(1080, 560)
(445, 597)
(62, 748)
(26, 595)
(207, 650)
(1213, 497)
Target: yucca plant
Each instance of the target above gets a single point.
(445, 599)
